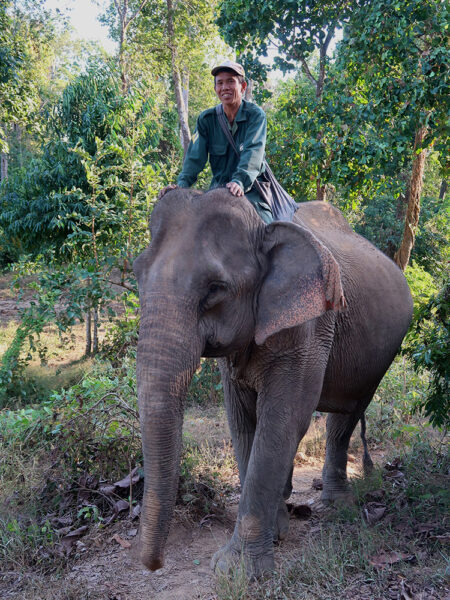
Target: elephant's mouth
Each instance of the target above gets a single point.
(213, 349)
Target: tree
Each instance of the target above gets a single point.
(173, 41)
(189, 42)
(395, 56)
(181, 99)
(18, 96)
(86, 212)
(127, 13)
(37, 60)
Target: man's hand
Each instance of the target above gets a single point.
(171, 186)
(235, 188)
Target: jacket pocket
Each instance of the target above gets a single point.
(217, 155)
(218, 149)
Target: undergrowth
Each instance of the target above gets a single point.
(341, 554)
(63, 463)
(73, 461)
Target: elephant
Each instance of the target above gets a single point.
(302, 316)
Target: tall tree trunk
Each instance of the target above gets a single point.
(181, 108)
(95, 330)
(122, 63)
(321, 193)
(124, 23)
(3, 166)
(88, 347)
(122, 9)
(403, 254)
(185, 88)
(249, 91)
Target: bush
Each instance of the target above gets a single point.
(390, 413)
(429, 342)
(421, 284)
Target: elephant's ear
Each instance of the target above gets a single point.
(302, 281)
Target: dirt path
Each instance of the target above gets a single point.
(186, 574)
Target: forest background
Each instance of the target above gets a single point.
(88, 139)
(356, 95)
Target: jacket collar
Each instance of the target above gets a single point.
(241, 114)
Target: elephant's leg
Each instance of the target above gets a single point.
(240, 404)
(284, 413)
(334, 474)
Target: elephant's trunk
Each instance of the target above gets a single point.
(167, 358)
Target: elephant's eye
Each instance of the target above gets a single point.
(216, 293)
(213, 288)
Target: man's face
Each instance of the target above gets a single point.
(228, 88)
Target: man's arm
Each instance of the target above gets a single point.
(252, 155)
(196, 156)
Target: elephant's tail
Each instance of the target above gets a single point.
(367, 461)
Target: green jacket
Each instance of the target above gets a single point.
(249, 131)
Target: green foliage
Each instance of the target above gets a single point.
(13, 382)
(288, 146)
(206, 386)
(103, 154)
(296, 28)
(380, 220)
(22, 542)
(89, 423)
(146, 51)
(122, 337)
(54, 452)
(355, 134)
(83, 208)
(22, 40)
(422, 286)
(426, 497)
(430, 343)
(390, 412)
(404, 82)
(62, 296)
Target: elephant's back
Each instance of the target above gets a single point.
(362, 265)
(320, 217)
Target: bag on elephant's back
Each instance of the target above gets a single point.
(283, 206)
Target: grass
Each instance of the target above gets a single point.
(390, 415)
(61, 365)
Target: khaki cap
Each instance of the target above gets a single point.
(229, 65)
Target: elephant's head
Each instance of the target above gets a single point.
(213, 281)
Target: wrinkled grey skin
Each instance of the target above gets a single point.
(304, 316)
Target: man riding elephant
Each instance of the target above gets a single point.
(247, 124)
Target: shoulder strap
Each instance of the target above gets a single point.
(224, 125)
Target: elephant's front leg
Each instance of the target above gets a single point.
(282, 420)
(240, 404)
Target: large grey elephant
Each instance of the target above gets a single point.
(303, 316)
